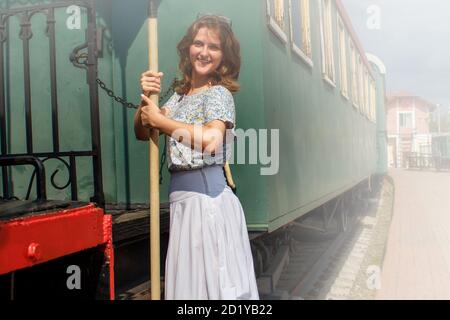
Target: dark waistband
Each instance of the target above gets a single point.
(208, 180)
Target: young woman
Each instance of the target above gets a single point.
(209, 254)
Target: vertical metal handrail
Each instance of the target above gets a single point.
(99, 197)
(25, 35)
(53, 81)
(73, 177)
(4, 149)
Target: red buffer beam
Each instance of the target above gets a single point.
(30, 241)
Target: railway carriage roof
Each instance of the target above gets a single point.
(348, 24)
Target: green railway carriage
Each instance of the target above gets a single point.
(327, 144)
(327, 135)
(304, 73)
(379, 72)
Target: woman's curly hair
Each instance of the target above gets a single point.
(227, 73)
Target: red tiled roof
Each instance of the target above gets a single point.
(407, 94)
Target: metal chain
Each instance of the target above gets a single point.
(130, 105)
(110, 93)
(82, 59)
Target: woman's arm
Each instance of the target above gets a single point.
(141, 132)
(207, 138)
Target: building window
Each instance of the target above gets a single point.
(425, 149)
(354, 69)
(343, 59)
(405, 120)
(301, 28)
(327, 41)
(276, 18)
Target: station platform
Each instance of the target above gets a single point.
(417, 259)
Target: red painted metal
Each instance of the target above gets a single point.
(30, 241)
(34, 252)
(109, 251)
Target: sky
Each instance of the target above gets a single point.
(412, 38)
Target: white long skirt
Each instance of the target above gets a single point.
(209, 255)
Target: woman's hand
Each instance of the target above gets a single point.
(151, 82)
(150, 113)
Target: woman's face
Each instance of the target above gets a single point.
(205, 52)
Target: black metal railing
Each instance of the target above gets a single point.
(417, 160)
(86, 51)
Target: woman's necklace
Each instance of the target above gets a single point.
(197, 90)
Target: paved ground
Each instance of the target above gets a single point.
(351, 274)
(417, 261)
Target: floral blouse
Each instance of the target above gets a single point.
(214, 103)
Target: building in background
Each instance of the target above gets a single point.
(408, 125)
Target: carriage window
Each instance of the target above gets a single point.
(327, 41)
(373, 101)
(367, 94)
(354, 69)
(360, 86)
(301, 28)
(343, 59)
(276, 16)
(279, 12)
